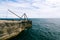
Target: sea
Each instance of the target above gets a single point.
(42, 29)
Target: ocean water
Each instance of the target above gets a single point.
(42, 29)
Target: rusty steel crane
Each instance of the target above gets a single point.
(24, 15)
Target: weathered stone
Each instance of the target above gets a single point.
(11, 28)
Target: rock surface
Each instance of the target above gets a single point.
(11, 28)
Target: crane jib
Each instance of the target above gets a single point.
(14, 13)
(24, 15)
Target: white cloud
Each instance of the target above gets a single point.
(13, 4)
(33, 8)
(53, 1)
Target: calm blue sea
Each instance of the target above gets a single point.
(42, 29)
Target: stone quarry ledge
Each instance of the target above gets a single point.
(7, 36)
(10, 21)
(9, 28)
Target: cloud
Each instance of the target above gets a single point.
(33, 8)
(24, 5)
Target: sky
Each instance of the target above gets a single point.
(32, 8)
